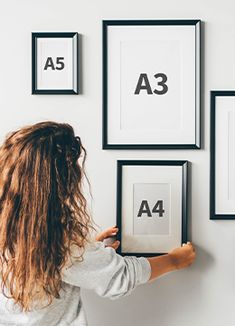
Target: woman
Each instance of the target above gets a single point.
(46, 248)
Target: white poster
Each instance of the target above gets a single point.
(150, 85)
(55, 63)
(151, 208)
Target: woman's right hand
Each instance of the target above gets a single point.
(176, 259)
(183, 256)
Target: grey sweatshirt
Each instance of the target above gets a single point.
(102, 270)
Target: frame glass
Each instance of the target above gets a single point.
(151, 84)
(222, 181)
(55, 63)
(151, 206)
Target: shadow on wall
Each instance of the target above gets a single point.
(154, 303)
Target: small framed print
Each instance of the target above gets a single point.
(151, 206)
(151, 84)
(222, 194)
(55, 63)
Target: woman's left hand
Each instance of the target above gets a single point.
(109, 233)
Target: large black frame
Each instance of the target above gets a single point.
(197, 144)
(213, 136)
(36, 35)
(120, 164)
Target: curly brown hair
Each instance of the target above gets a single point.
(43, 211)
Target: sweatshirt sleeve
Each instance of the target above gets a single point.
(106, 272)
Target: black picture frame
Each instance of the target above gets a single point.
(147, 146)
(214, 136)
(184, 204)
(75, 38)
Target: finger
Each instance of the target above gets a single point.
(191, 246)
(115, 245)
(110, 233)
(107, 233)
(188, 244)
(112, 230)
(192, 258)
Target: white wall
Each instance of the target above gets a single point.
(205, 293)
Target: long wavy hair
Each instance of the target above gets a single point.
(43, 211)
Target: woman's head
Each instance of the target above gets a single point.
(42, 209)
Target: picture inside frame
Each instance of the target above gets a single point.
(151, 206)
(151, 212)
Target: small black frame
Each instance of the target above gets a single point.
(213, 138)
(105, 137)
(184, 205)
(75, 37)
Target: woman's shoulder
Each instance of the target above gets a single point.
(78, 255)
(84, 264)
